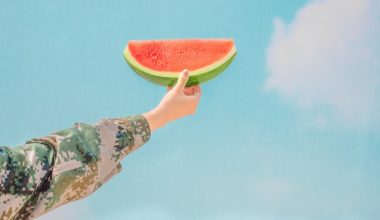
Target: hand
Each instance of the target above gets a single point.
(178, 102)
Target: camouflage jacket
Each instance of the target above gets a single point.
(47, 172)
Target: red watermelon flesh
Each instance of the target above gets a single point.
(179, 54)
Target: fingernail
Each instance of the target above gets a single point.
(186, 72)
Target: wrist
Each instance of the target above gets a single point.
(156, 119)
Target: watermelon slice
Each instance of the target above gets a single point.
(161, 61)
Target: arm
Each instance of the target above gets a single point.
(70, 164)
(67, 165)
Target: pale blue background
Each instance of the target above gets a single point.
(246, 154)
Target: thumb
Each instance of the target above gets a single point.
(182, 80)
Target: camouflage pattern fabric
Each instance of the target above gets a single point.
(45, 173)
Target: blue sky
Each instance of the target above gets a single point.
(289, 131)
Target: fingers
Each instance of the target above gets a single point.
(197, 88)
(182, 80)
(193, 91)
(197, 92)
(188, 90)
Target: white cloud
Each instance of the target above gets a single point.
(329, 56)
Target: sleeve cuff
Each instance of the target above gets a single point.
(137, 125)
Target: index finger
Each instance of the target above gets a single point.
(197, 92)
(197, 88)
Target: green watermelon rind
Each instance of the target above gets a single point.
(169, 79)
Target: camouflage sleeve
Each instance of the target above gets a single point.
(24, 173)
(65, 166)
